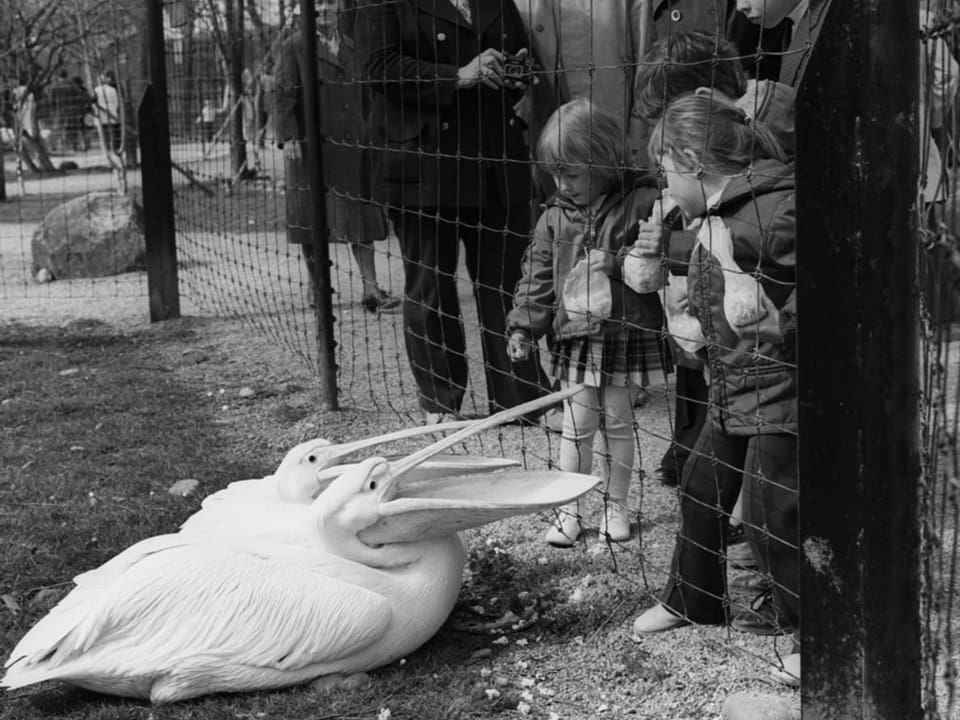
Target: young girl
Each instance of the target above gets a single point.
(611, 353)
(729, 170)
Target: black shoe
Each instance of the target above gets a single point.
(762, 618)
(665, 477)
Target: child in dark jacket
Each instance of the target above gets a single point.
(607, 337)
(729, 172)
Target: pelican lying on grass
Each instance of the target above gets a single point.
(187, 614)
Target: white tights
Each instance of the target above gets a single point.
(608, 409)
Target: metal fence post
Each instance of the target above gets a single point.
(858, 365)
(326, 345)
(155, 167)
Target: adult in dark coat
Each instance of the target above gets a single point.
(351, 217)
(453, 167)
(803, 20)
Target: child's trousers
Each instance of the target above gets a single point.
(711, 482)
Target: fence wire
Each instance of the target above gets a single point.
(467, 173)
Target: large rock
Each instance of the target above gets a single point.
(90, 236)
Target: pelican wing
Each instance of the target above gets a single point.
(276, 608)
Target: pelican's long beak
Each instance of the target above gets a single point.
(420, 508)
(335, 452)
(435, 468)
(441, 506)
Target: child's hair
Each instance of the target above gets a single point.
(682, 62)
(579, 133)
(722, 136)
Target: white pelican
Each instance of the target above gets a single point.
(187, 614)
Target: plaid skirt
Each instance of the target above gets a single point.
(629, 357)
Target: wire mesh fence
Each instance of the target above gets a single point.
(562, 192)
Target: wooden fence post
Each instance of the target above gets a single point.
(155, 167)
(323, 295)
(858, 365)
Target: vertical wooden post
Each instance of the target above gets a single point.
(159, 229)
(323, 300)
(858, 365)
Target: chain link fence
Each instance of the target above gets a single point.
(433, 145)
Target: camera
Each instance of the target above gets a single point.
(518, 67)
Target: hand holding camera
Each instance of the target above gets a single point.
(496, 69)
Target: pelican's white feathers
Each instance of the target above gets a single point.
(211, 609)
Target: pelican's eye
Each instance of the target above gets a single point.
(372, 485)
(311, 458)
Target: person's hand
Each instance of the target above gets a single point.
(766, 329)
(649, 242)
(485, 68)
(292, 150)
(519, 346)
(601, 261)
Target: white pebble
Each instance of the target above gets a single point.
(184, 488)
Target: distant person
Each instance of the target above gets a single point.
(60, 95)
(207, 121)
(253, 117)
(107, 109)
(351, 218)
(76, 125)
(25, 108)
(587, 222)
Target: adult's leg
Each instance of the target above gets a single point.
(708, 490)
(494, 253)
(433, 328)
(363, 254)
(771, 517)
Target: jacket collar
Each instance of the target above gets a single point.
(484, 13)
